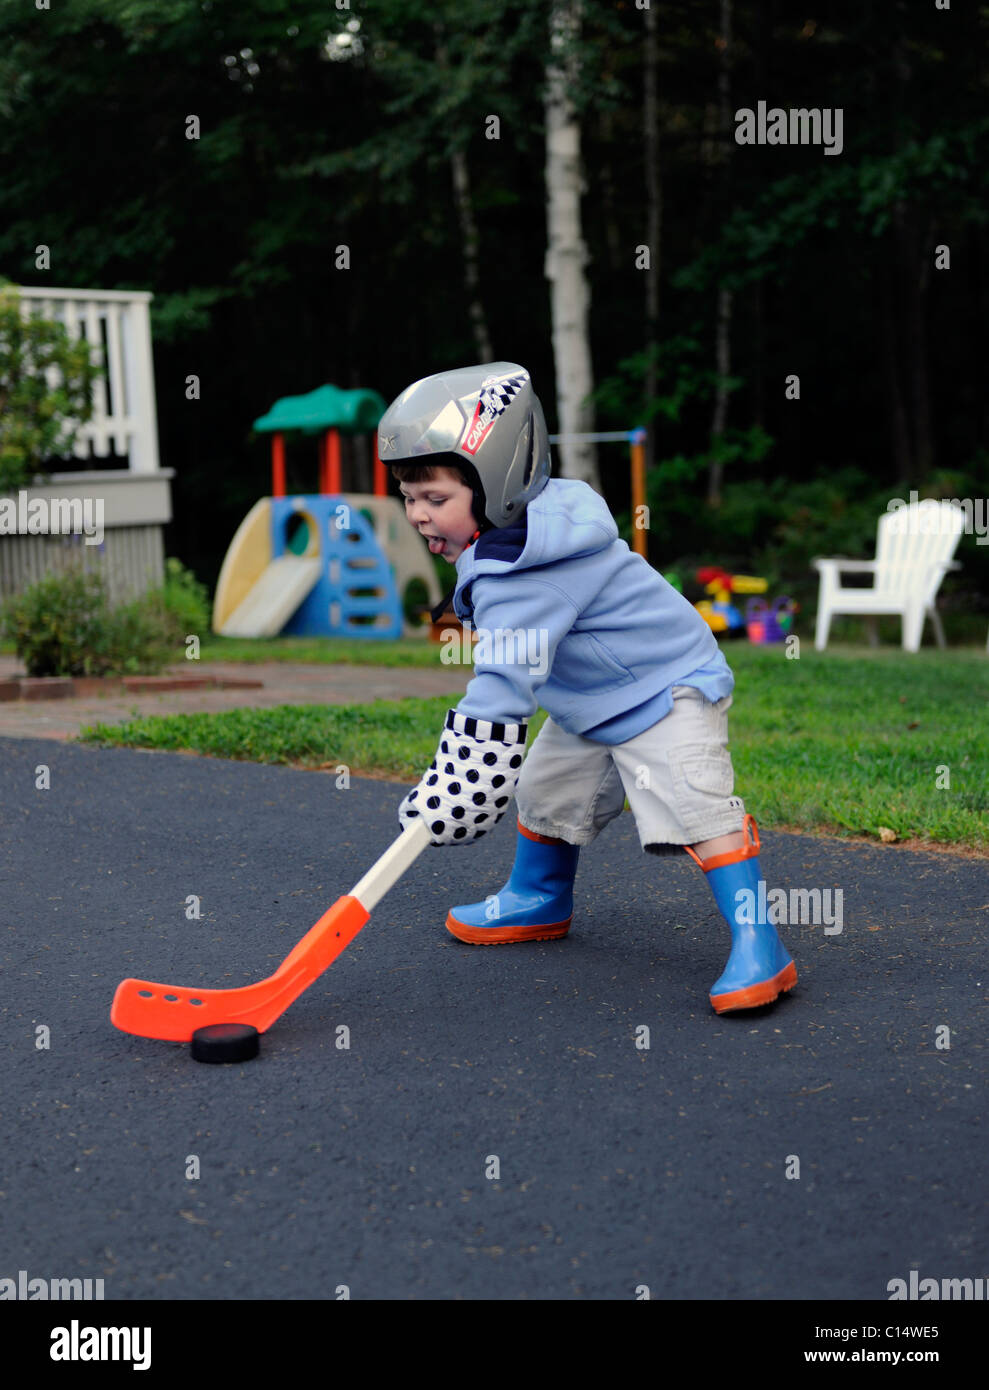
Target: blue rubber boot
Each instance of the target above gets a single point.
(759, 968)
(536, 904)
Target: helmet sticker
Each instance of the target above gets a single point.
(497, 394)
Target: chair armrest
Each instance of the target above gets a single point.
(936, 572)
(837, 563)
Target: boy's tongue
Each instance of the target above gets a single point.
(435, 546)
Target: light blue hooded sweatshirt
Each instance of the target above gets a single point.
(570, 619)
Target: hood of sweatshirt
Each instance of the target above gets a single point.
(567, 520)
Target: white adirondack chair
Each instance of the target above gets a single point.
(914, 546)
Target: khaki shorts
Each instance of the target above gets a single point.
(677, 776)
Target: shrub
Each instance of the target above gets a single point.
(38, 421)
(414, 600)
(133, 640)
(54, 624)
(63, 625)
(181, 606)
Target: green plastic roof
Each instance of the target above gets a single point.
(352, 412)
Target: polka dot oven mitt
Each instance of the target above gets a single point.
(469, 782)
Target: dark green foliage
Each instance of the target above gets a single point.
(773, 526)
(325, 127)
(182, 604)
(64, 625)
(38, 420)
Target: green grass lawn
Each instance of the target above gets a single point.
(402, 651)
(316, 651)
(321, 651)
(847, 741)
(853, 741)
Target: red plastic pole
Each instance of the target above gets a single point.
(333, 461)
(323, 488)
(380, 476)
(278, 465)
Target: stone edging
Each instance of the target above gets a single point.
(86, 687)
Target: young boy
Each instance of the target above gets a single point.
(570, 619)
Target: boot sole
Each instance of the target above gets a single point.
(503, 936)
(762, 993)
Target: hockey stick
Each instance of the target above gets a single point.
(162, 1011)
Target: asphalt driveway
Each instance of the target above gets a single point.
(492, 1130)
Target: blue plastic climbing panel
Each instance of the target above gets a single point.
(356, 594)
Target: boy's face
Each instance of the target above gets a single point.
(440, 510)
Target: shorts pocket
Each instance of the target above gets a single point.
(703, 779)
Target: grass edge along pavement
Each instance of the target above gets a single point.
(421, 651)
(843, 744)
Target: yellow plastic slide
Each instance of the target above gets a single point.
(256, 595)
(273, 598)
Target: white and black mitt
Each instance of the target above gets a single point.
(469, 782)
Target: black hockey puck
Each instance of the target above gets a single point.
(226, 1042)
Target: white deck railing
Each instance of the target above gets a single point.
(117, 325)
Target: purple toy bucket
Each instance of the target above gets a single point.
(769, 624)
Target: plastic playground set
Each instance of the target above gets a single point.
(348, 564)
(330, 563)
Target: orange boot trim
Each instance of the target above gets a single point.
(501, 936)
(762, 993)
(542, 839)
(734, 856)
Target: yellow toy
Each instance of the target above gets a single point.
(721, 615)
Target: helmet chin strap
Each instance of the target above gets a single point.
(444, 603)
(478, 508)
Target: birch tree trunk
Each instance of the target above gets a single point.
(566, 254)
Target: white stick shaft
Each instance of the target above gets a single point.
(399, 856)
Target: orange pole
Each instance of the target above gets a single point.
(333, 462)
(638, 451)
(278, 465)
(323, 488)
(380, 476)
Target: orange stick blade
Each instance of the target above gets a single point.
(173, 1014)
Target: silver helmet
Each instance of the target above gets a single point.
(488, 417)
